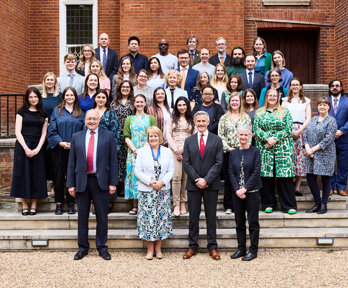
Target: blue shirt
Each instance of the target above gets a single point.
(286, 77)
(62, 127)
(260, 64)
(139, 61)
(155, 82)
(88, 136)
(50, 102)
(87, 103)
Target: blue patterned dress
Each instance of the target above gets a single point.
(154, 220)
(135, 130)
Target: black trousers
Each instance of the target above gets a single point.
(251, 205)
(101, 205)
(59, 160)
(313, 185)
(228, 204)
(194, 207)
(286, 193)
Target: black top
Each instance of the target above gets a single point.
(31, 124)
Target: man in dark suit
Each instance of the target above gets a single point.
(189, 75)
(107, 56)
(339, 110)
(250, 78)
(139, 61)
(202, 162)
(221, 56)
(194, 54)
(92, 174)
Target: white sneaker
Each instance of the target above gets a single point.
(228, 211)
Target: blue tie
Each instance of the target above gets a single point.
(104, 59)
(250, 79)
(71, 82)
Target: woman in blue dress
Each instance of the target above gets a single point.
(86, 100)
(134, 133)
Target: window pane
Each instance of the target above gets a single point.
(79, 24)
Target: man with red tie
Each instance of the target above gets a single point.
(203, 156)
(92, 175)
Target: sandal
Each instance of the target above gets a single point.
(134, 211)
(25, 211)
(268, 210)
(32, 211)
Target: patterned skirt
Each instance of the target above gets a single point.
(154, 215)
(299, 153)
(131, 182)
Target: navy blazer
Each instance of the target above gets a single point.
(191, 79)
(341, 119)
(208, 167)
(217, 113)
(107, 173)
(252, 169)
(258, 84)
(214, 60)
(111, 64)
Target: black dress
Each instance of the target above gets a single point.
(29, 176)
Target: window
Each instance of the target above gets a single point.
(78, 20)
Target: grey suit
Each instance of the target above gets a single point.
(78, 82)
(209, 168)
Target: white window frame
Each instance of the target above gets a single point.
(286, 2)
(62, 26)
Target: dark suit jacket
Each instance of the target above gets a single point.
(215, 59)
(341, 119)
(218, 112)
(80, 71)
(197, 58)
(191, 78)
(106, 161)
(258, 84)
(208, 167)
(112, 62)
(252, 169)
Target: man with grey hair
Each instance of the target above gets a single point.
(221, 57)
(202, 162)
(192, 45)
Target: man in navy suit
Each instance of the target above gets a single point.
(189, 75)
(339, 110)
(107, 56)
(250, 78)
(202, 162)
(92, 175)
(221, 56)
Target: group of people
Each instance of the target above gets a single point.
(169, 127)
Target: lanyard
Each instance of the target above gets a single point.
(158, 153)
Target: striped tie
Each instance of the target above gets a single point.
(335, 106)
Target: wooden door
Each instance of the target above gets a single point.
(298, 48)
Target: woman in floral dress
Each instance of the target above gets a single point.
(134, 133)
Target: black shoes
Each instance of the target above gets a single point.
(33, 211)
(105, 255)
(71, 209)
(323, 209)
(59, 210)
(238, 254)
(80, 254)
(249, 257)
(314, 209)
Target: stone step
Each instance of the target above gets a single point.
(127, 239)
(336, 202)
(10, 220)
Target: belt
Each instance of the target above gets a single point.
(91, 174)
(297, 123)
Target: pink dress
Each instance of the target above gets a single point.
(104, 83)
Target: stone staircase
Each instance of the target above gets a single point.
(278, 230)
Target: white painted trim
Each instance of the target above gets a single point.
(62, 26)
(286, 2)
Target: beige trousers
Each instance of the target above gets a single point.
(179, 183)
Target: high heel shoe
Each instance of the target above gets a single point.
(25, 211)
(32, 211)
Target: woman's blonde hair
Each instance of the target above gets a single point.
(154, 130)
(44, 89)
(241, 107)
(102, 71)
(280, 109)
(82, 60)
(214, 79)
(178, 76)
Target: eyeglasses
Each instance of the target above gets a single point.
(208, 94)
(163, 44)
(143, 76)
(89, 51)
(336, 85)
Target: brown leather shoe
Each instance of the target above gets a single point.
(214, 254)
(342, 192)
(189, 254)
(331, 192)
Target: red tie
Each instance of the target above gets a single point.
(202, 145)
(90, 153)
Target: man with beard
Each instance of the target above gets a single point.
(221, 57)
(339, 110)
(192, 45)
(236, 63)
(168, 61)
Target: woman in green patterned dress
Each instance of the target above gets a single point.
(273, 127)
(134, 133)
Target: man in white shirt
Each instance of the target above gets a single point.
(70, 78)
(168, 61)
(221, 56)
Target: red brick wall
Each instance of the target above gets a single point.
(175, 20)
(14, 46)
(341, 42)
(319, 11)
